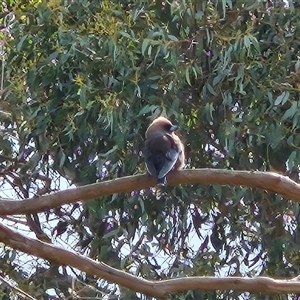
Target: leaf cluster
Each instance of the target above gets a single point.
(84, 78)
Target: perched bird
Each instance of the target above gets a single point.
(164, 151)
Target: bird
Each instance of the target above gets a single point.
(164, 150)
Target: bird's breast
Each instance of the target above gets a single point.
(159, 143)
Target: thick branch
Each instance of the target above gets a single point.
(156, 289)
(263, 180)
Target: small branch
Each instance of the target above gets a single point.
(272, 182)
(158, 289)
(16, 289)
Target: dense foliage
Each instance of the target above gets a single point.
(81, 80)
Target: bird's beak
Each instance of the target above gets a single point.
(174, 128)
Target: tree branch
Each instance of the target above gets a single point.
(21, 293)
(272, 182)
(156, 289)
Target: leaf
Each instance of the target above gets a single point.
(255, 43)
(211, 89)
(209, 109)
(217, 79)
(227, 99)
(247, 42)
(79, 113)
(35, 113)
(125, 34)
(145, 110)
(62, 158)
(20, 44)
(142, 205)
(291, 160)
(111, 233)
(170, 86)
(82, 96)
(187, 76)
(199, 15)
(157, 33)
(154, 86)
(297, 65)
(241, 73)
(281, 99)
(173, 38)
(195, 72)
(289, 113)
(149, 50)
(156, 77)
(145, 44)
(63, 58)
(52, 56)
(218, 190)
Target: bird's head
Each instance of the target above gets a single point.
(160, 125)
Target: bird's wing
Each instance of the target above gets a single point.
(162, 157)
(149, 163)
(170, 160)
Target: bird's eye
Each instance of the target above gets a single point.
(168, 127)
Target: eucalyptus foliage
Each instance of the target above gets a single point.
(81, 82)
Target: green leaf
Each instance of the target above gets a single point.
(35, 113)
(173, 38)
(282, 98)
(291, 161)
(82, 97)
(247, 41)
(255, 43)
(154, 86)
(241, 72)
(211, 89)
(157, 34)
(209, 109)
(20, 44)
(149, 50)
(218, 190)
(218, 79)
(146, 110)
(170, 86)
(289, 113)
(125, 34)
(187, 76)
(145, 44)
(62, 158)
(52, 56)
(142, 205)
